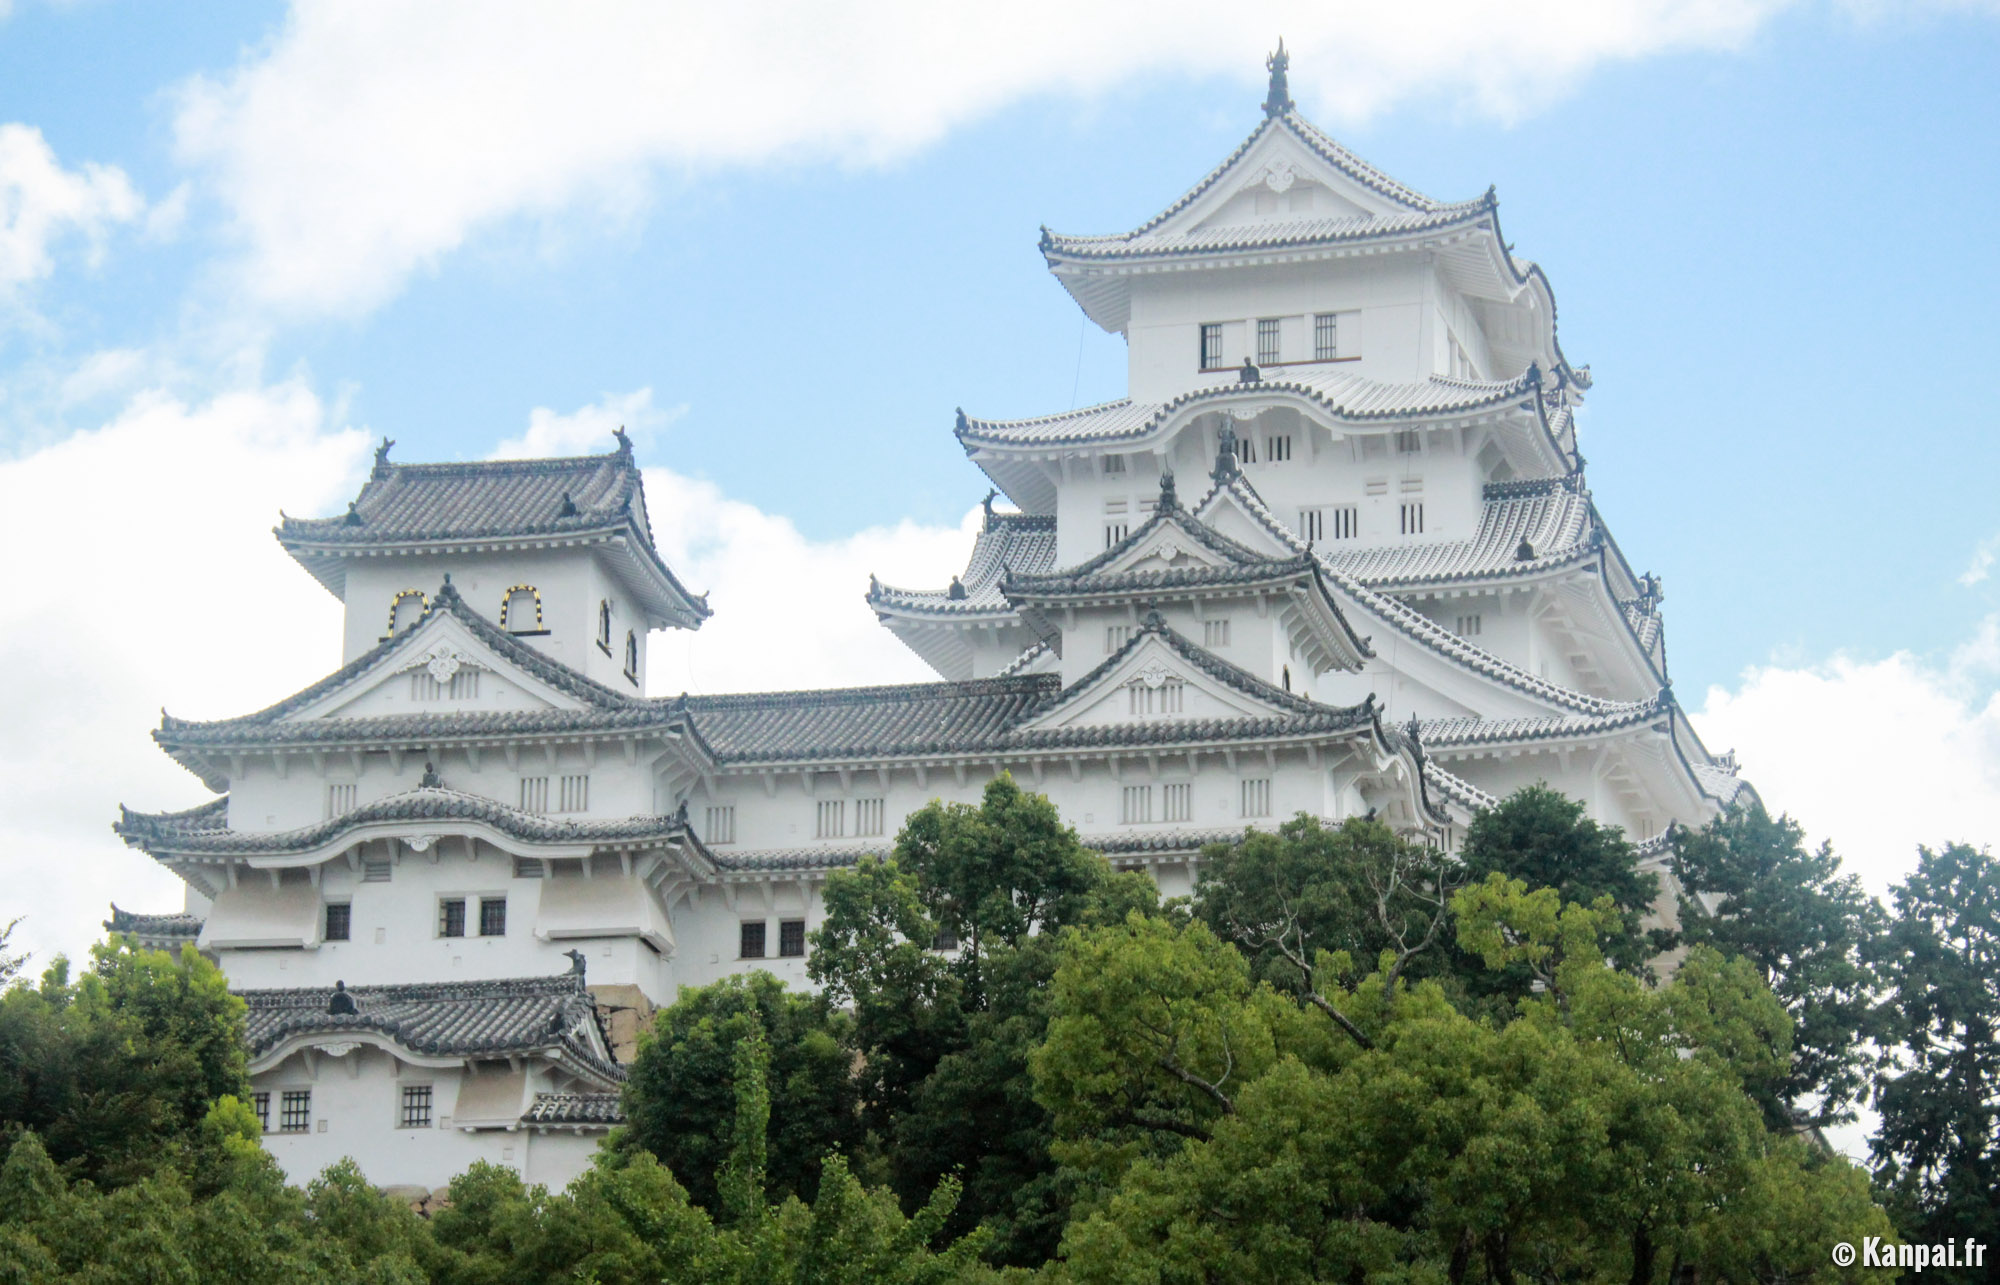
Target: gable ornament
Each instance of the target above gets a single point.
(1155, 675)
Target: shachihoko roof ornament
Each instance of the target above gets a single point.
(1278, 100)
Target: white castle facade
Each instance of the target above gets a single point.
(1333, 555)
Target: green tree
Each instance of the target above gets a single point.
(1542, 837)
(9, 964)
(681, 1099)
(1938, 1148)
(1807, 928)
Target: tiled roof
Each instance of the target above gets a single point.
(1024, 662)
(1343, 396)
(1721, 783)
(855, 722)
(1262, 235)
(206, 831)
(1456, 789)
(574, 1109)
(488, 1019)
(1552, 517)
(154, 930)
(1023, 542)
(1453, 733)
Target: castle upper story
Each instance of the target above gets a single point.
(558, 553)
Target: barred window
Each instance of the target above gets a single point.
(632, 655)
(1211, 345)
(751, 939)
(868, 816)
(1409, 442)
(1115, 532)
(492, 916)
(1113, 464)
(574, 794)
(463, 686)
(295, 1110)
(451, 917)
(1277, 448)
(1267, 341)
(339, 800)
(1343, 522)
(1468, 626)
(534, 794)
(530, 868)
(719, 824)
(1172, 696)
(1138, 699)
(1326, 336)
(1246, 450)
(261, 1104)
(1312, 524)
(1377, 486)
(1144, 701)
(791, 938)
(1116, 636)
(1179, 801)
(1257, 797)
(604, 626)
(832, 819)
(1413, 517)
(339, 921)
(416, 1106)
(1215, 633)
(376, 871)
(1136, 805)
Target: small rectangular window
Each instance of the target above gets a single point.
(1136, 805)
(1114, 532)
(1246, 450)
(1172, 696)
(1215, 633)
(1413, 517)
(1257, 797)
(832, 819)
(1411, 486)
(1116, 636)
(416, 1106)
(1114, 465)
(1211, 346)
(574, 794)
(719, 824)
(530, 868)
(1267, 341)
(1115, 508)
(1343, 522)
(1312, 524)
(1468, 626)
(1326, 336)
(261, 1104)
(868, 817)
(451, 917)
(1409, 442)
(295, 1111)
(946, 939)
(492, 916)
(339, 921)
(339, 800)
(791, 938)
(750, 939)
(1179, 802)
(1277, 448)
(376, 871)
(1376, 486)
(534, 794)
(1138, 699)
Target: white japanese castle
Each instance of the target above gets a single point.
(1334, 554)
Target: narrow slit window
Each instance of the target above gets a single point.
(1115, 532)
(1211, 346)
(1114, 465)
(868, 817)
(719, 824)
(1413, 517)
(1278, 448)
(1116, 636)
(1136, 804)
(1267, 341)
(1312, 524)
(604, 626)
(1215, 633)
(1257, 797)
(534, 794)
(1179, 801)
(832, 819)
(340, 799)
(1343, 522)
(1468, 626)
(1246, 450)
(1172, 696)
(632, 655)
(574, 794)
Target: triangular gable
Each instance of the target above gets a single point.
(443, 667)
(1233, 511)
(1159, 676)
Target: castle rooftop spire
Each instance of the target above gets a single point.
(1279, 100)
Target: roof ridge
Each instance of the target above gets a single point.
(869, 694)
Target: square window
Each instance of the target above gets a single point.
(752, 939)
(492, 916)
(1215, 633)
(451, 917)
(339, 921)
(791, 938)
(416, 1106)
(295, 1111)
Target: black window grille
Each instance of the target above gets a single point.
(295, 1111)
(451, 917)
(753, 939)
(1211, 346)
(416, 1106)
(1326, 336)
(493, 917)
(339, 921)
(1267, 341)
(261, 1104)
(791, 938)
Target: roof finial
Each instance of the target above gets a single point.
(382, 454)
(341, 1002)
(624, 442)
(430, 780)
(568, 507)
(576, 962)
(1225, 456)
(992, 494)
(957, 591)
(1248, 373)
(1279, 100)
(1154, 621)
(1169, 501)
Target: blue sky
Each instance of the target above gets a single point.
(1766, 231)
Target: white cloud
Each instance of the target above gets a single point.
(41, 203)
(1981, 565)
(142, 575)
(1877, 756)
(364, 142)
(588, 430)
